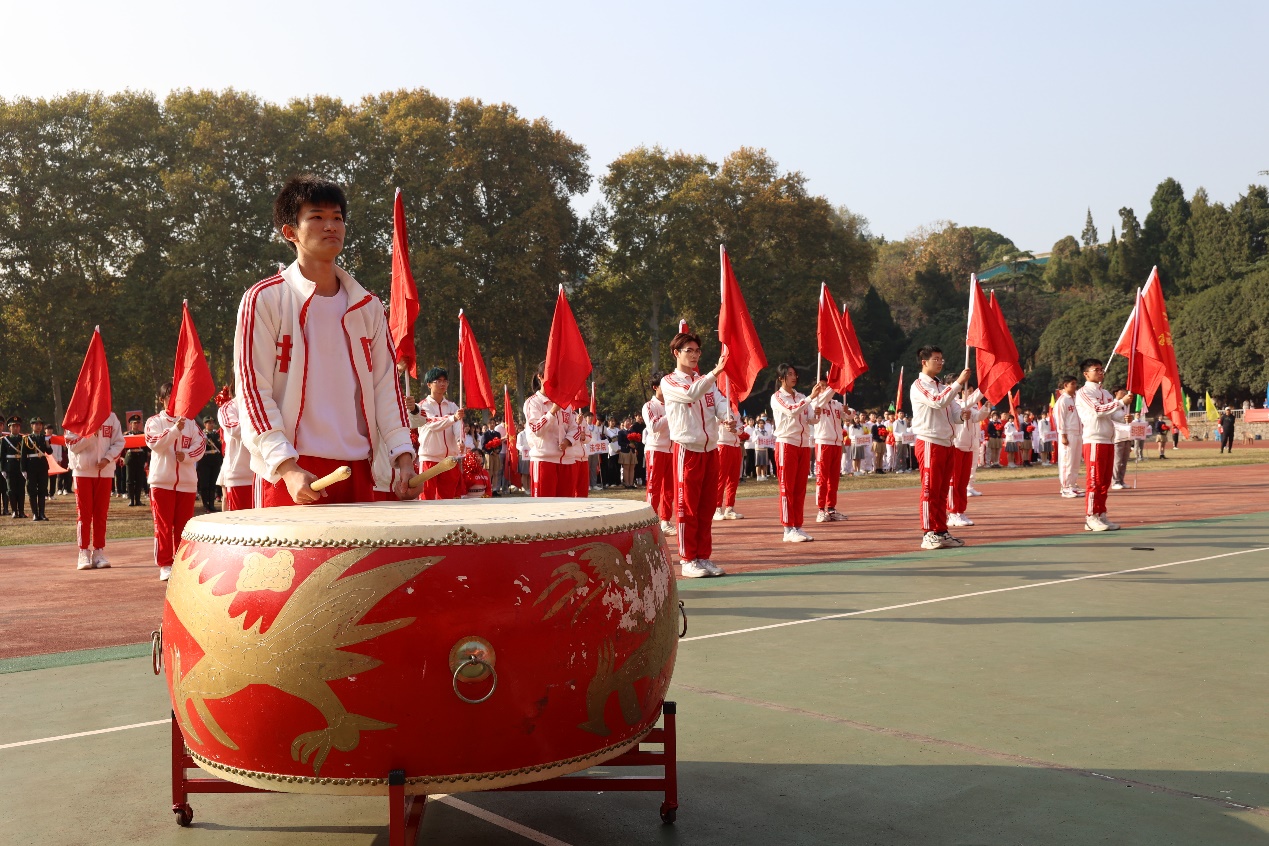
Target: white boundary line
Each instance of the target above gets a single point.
(83, 734)
(968, 595)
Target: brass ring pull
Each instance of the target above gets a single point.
(472, 661)
(683, 614)
(156, 650)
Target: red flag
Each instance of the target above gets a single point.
(1015, 399)
(192, 383)
(846, 363)
(898, 394)
(745, 358)
(1163, 371)
(998, 369)
(403, 306)
(90, 403)
(511, 469)
(594, 405)
(977, 332)
(567, 362)
(479, 393)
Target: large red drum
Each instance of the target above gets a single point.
(473, 644)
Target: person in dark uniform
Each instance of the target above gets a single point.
(35, 467)
(11, 463)
(209, 465)
(1226, 425)
(135, 460)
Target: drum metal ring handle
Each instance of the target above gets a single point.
(683, 614)
(471, 661)
(156, 650)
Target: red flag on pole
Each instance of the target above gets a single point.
(594, 404)
(567, 362)
(511, 469)
(403, 305)
(192, 383)
(838, 344)
(90, 403)
(998, 369)
(898, 394)
(745, 358)
(479, 393)
(1163, 371)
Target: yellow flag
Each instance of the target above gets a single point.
(1212, 413)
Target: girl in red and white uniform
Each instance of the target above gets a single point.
(731, 460)
(828, 459)
(968, 429)
(794, 414)
(235, 478)
(545, 428)
(694, 413)
(92, 464)
(657, 457)
(934, 415)
(440, 437)
(1070, 439)
(573, 459)
(175, 445)
(314, 326)
(1099, 411)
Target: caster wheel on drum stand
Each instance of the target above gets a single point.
(185, 815)
(669, 815)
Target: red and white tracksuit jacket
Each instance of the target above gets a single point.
(656, 438)
(934, 410)
(165, 439)
(792, 415)
(271, 372)
(656, 459)
(827, 430)
(1099, 412)
(1067, 417)
(440, 435)
(85, 451)
(543, 429)
(235, 469)
(693, 409)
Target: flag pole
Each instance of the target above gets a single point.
(973, 281)
(460, 358)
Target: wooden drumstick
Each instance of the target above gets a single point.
(431, 472)
(331, 478)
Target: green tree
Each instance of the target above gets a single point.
(1222, 244)
(1089, 235)
(1166, 236)
(1221, 336)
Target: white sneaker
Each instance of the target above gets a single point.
(931, 541)
(165, 572)
(85, 560)
(835, 515)
(718, 514)
(1116, 487)
(714, 569)
(822, 517)
(972, 492)
(733, 514)
(946, 541)
(796, 535)
(787, 533)
(1109, 525)
(694, 570)
(100, 562)
(1093, 523)
(667, 528)
(954, 520)
(965, 521)
(1067, 493)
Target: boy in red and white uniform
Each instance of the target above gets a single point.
(934, 415)
(1070, 438)
(731, 459)
(828, 459)
(1099, 411)
(440, 437)
(545, 429)
(92, 464)
(575, 464)
(968, 429)
(175, 445)
(794, 415)
(657, 457)
(315, 372)
(236, 478)
(694, 413)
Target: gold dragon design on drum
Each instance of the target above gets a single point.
(302, 649)
(639, 595)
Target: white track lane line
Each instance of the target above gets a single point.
(969, 595)
(167, 721)
(500, 821)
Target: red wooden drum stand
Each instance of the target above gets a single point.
(407, 649)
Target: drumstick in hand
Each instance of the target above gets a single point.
(330, 479)
(431, 472)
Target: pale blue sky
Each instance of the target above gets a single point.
(1015, 116)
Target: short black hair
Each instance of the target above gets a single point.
(783, 370)
(1066, 380)
(1090, 362)
(927, 352)
(435, 373)
(165, 390)
(680, 340)
(657, 376)
(305, 188)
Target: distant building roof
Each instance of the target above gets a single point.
(1009, 266)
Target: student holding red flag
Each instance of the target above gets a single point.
(828, 458)
(550, 428)
(440, 437)
(176, 443)
(657, 457)
(94, 440)
(794, 415)
(235, 478)
(1099, 411)
(934, 415)
(730, 460)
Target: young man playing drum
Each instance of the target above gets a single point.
(694, 412)
(314, 369)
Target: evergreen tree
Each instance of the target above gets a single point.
(1089, 235)
(1166, 236)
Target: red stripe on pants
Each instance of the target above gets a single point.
(545, 478)
(695, 489)
(92, 504)
(659, 468)
(935, 462)
(171, 510)
(729, 458)
(360, 487)
(958, 484)
(1100, 461)
(828, 473)
(240, 497)
(580, 484)
(793, 464)
(448, 485)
